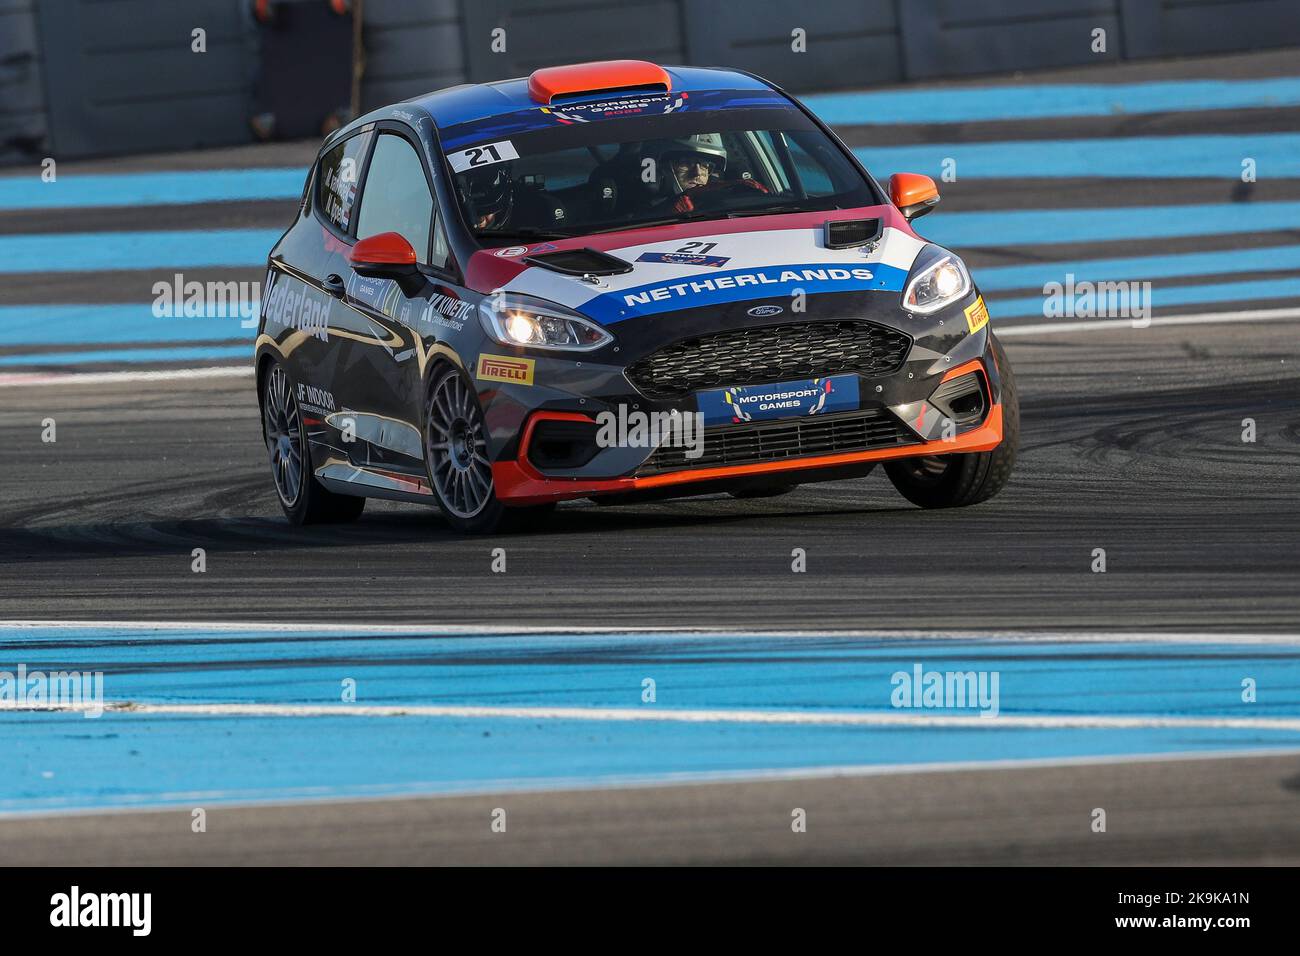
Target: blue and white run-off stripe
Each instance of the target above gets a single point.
(1051, 182)
(203, 713)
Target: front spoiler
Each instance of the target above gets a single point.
(518, 483)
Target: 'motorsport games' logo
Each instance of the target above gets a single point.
(813, 396)
(502, 368)
(612, 109)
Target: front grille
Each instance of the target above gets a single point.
(775, 353)
(789, 438)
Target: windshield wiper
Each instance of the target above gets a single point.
(716, 214)
(658, 222)
(485, 236)
(777, 210)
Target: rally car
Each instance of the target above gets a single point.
(616, 281)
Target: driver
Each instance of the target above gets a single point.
(691, 166)
(490, 196)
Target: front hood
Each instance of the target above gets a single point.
(765, 261)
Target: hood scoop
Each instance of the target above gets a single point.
(847, 233)
(581, 262)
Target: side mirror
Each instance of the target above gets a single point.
(913, 194)
(387, 255)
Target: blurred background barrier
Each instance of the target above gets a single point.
(109, 77)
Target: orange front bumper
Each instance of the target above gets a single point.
(519, 483)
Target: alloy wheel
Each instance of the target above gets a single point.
(456, 447)
(283, 436)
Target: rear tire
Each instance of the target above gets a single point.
(455, 456)
(955, 481)
(303, 499)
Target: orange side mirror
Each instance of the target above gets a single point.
(384, 255)
(913, 194)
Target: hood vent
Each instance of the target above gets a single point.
(581, 262)
(847, 233)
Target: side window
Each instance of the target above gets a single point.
(397, 197)
(336, 186)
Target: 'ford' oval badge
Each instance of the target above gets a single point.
(760, 311)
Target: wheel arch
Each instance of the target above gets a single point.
(262, 365)
(261, 369)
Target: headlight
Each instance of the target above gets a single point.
(937, 285)
(513, 319)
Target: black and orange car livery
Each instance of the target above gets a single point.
(480, 283)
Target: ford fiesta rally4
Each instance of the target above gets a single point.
(616, 281)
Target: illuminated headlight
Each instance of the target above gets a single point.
(521, 320)
(937, 285)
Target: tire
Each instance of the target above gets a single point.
(303, 499)
(955, 481)
(455, 456)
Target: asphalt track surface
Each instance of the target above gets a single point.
(1132, 442)
(1012, 816)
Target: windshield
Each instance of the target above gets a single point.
(599, 176)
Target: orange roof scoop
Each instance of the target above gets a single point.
(606, 76)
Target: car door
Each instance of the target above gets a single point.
(386, 386)
(301, 310)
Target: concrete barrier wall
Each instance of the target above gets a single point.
(103, 77)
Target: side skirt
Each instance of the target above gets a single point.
(348, 479)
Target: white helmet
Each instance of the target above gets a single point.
(700, 146)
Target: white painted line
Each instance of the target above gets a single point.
(1098, 325)
(898, 718)
(13, 379)
(145, 629)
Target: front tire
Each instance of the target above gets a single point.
(955, 481)
(303, 499)
(766, 489)
(455, 455)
